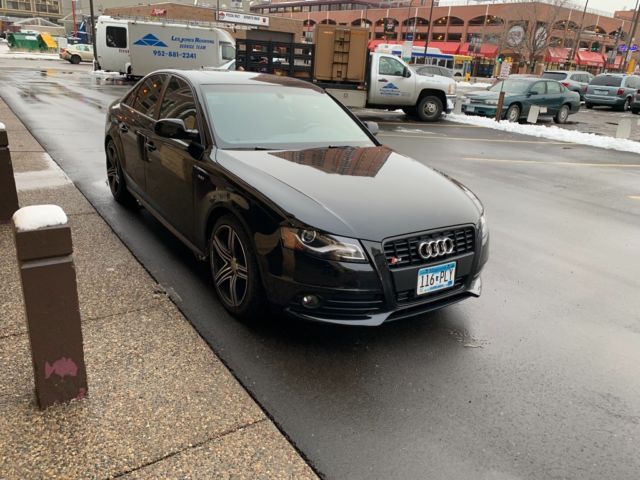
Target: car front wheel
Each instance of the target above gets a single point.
(429, 108)
(562, 115)
(75, 59)
(115, 177)
(234, 269)
(513, 113)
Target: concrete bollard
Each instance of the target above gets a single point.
(44, 249)
(457, 107)
(624, 128)
(8, 194)
(534, 111)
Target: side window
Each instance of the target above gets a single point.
(116, 37)
(178, 102)
(554, 87)
(390, 66)
(148, 95)
(539, 88)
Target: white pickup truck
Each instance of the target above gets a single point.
(392, 84)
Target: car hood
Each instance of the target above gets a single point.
(368, 193)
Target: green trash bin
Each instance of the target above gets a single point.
(23, 41)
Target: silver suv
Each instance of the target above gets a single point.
(614, 89)
(575, 80)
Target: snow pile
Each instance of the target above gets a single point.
(551, 133)
(104, 74)
(2, 126)
(473, 85)
(36, 217)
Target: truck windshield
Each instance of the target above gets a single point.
(278, 117)
(511, 86)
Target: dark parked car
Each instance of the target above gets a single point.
(613, 89)
(292, 199)
(575, 80)
(520, 95)
(434, 70)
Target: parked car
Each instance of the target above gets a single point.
(613, 89)
(574, 80)
(635, 104)
(434, 70)
(80, 52)
(310, 212)
(521, 94)
(515, 76)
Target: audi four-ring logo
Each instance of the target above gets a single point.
(435, 248)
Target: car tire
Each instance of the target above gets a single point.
(563, 114)
(635, 111)
(410, 111)
(513, 113)
(115, 176)
(588, 105)
(75, 59)
(234, 270)
(429, 108)
(625, 106)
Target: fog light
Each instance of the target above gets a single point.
(310, 301)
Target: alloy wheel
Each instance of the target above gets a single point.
(229, 265)
(113, 173)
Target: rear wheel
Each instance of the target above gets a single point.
(513, 113)
(635, 111)
(588, 105)
(626, 106)
(236, 278)
(75, 59)
(562, 115)
(115, 177)
(429, 108)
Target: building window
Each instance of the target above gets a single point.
(296, 9)
(454, 37)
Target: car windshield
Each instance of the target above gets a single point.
(606, 81)
(554, 75)
(511, 86)
(277, 117)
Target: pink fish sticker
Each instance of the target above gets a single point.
(62, 367)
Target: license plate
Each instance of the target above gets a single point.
(602, 92)
(543, 109)
(435, 278)
(470, 108)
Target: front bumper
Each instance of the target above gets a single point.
(366, 294)
(481, 109)
(451, 101)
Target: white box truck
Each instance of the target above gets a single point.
(137, 47)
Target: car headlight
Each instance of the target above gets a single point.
(322, 245)
(452, 88)
(484, 229)
(491, 102)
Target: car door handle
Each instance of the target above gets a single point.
(383, 80)
(123, 127)
(200, 173)
(150, 146)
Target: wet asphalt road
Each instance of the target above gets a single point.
(537, 379)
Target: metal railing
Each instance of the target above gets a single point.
(188, 23)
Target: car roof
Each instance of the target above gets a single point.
(528, 79)
(612, 75)
(565, 71)
(235, 77)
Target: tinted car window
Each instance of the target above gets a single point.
(116, 37)
(632, 82)
(390, 66)
(554, 75)
(554, 87)
(178, 102)
(511, 86)
(148, 94)
(577, 77)
(607, 81)
(539, 88)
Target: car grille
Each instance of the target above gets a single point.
(352, 306)
(406, 249)
(410, 296)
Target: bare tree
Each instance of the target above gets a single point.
(529, 34)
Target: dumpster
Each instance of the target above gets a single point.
(23, 40)
(47, 42)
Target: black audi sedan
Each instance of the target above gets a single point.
(292, 200)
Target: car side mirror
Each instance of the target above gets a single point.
(406, 73)
(372, 127)
(531, 93)
(175, 128)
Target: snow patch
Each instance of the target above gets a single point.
(104, 74)
(51, 176)
(36, 217)
(2, 126)
(551, 133)
(474, 85)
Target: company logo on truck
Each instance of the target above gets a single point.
(150, 40)
(390, 89)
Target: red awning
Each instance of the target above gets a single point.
(486, 50)
(617, 63)
(450, 48)
(589, 59)
(556, 55)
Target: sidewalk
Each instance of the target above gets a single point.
(160, 404)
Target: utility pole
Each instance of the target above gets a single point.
(632, 34)
(93, 32)
(426, 43)
(576, 44)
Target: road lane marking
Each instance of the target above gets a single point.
(542, 162)
(466, 139)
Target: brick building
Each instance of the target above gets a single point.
(48, 9)
(453, 26)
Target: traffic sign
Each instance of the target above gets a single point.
(633, 48)
(622, 48)
(505, 69)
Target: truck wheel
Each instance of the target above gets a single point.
(429, 108)
(410, 111)
(75, 59)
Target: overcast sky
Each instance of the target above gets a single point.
(609, 5)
